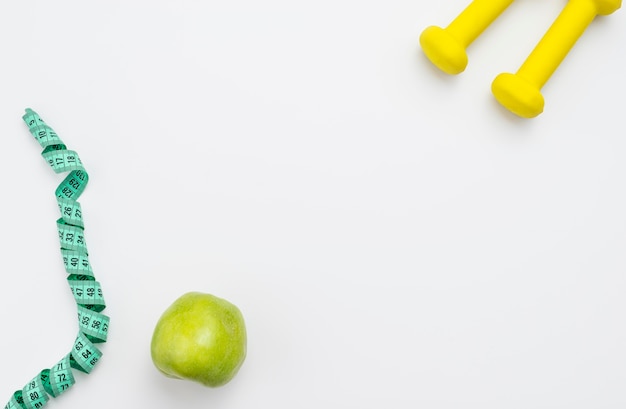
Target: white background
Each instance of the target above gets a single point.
(393, 236)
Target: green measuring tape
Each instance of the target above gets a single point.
(92, 324)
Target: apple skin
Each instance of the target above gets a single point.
(201, 338)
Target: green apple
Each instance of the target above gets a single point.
(201, 338)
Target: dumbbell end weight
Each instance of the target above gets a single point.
(518, 95)
(606, 7)
(443, 50)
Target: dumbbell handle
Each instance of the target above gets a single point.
(520, 93)
(475, 18)
(568, 27)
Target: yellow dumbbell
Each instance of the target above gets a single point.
(445, 47)
(520, 93)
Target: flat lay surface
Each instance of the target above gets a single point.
(392, 236)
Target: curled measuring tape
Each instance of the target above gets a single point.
(92, 324)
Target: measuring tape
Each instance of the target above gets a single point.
(92, 324)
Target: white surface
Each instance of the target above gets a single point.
(393, 237)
